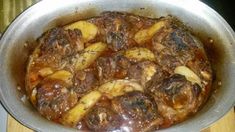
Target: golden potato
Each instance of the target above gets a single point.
(119, 87)
(139, 54)
(148, 72)
(189, 74)
(74, 115)
(146, 34)
(90, 54)
(62, 75)
(45, 71)
(88, 29)
(32, 97)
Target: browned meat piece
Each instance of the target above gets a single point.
(84, 81)
(135, 72)
(122, 67)
(118, 29)
(176, 98)
(112, 67)
(56, 50)
(102, 118)
(116, 40)
(54, 98)
(106, 67)
(63, 42)
(174, 46)
(144, 71)
(138, 109)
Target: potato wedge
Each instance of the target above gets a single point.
(88, 29)
(62, 75)
(33, 98)
(148, 72)
(119, 87)
(189, 74)
(90, 54)
(74, 115)
(146, 34)
(45, 71)
(139, 54)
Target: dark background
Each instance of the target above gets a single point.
(225, 8)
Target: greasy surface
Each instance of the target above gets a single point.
(167, 98)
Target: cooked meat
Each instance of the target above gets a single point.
(119, 72)
(56, 51)
(112, 67)
(84, 81)
(174, 46)
(122, 67)
(116, 40)
(102, 118)
(106, 67)
(117, 29)
(143, 71)
(54, 98)
(137, 109)
(176, 97)
(61, 41)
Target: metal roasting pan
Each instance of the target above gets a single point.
(29, 25)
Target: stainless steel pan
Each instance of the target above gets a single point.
(204, 22)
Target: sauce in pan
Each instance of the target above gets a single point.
(119, 71)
